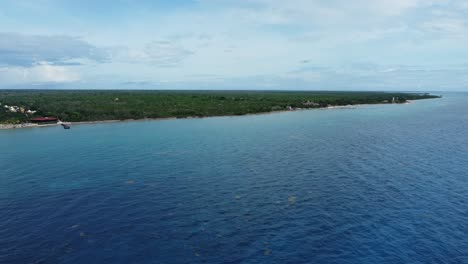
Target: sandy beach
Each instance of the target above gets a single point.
(32, 125)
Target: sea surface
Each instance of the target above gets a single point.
(374, 184)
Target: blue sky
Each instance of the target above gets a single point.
(235, 44)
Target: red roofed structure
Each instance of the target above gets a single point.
(43, 120)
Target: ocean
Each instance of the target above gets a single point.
(373, 184)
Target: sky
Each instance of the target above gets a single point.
(391, 45)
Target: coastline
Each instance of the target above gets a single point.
(33, 125)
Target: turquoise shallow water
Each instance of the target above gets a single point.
(375, 184)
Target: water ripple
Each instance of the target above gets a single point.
(381, 184)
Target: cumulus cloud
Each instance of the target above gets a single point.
(299, 41)
(40, 73)
(29, 50)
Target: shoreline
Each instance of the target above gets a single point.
(33, 125)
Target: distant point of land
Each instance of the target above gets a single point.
(22, 106)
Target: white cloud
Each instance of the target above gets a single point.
(41, 73)
(233, 40)
(463, 4)
(447, 25)
(377, 33)
(394, 7)
(27, 50)
(160, 53)
(52, 73)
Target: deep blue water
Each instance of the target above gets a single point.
(376, 184)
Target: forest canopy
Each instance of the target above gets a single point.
(96, 105)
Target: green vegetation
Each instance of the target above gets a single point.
(111, 105)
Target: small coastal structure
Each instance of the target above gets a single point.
(311, 103)
(44, 120)
(18, 109)
(12, 108)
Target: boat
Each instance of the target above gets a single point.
(65, 126)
